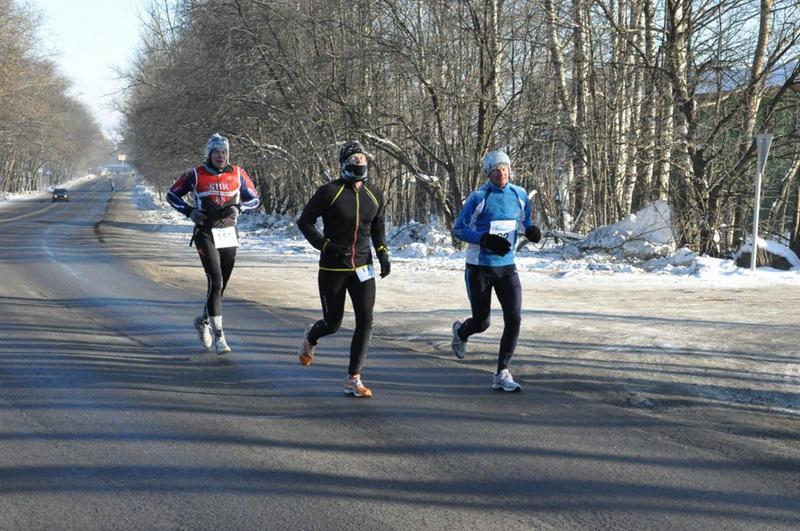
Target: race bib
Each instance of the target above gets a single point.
(225, 237)
(365, 272)
(504, 227)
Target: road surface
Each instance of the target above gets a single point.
(112, 416)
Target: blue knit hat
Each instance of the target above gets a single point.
(217, 141)
(493, 159)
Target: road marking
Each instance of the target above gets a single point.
(27, 214)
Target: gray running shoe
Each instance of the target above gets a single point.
(505, 382)
(459, 345)
(221, 345)
(204, 331)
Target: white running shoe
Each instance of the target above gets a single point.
(204, 331)
(458, 345)
(221, 345)
(505, 382)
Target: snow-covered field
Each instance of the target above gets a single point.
(428, 247)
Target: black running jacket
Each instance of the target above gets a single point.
(350, 219)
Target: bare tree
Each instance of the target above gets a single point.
(603, 105)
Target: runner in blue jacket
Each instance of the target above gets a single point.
(489, 222)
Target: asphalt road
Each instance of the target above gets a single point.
(112, 416)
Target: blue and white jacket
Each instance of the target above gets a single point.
(505, 211)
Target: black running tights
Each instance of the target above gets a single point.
(218, 265)
(332, 288)
(505, 282)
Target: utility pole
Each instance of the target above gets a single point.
(762, 145)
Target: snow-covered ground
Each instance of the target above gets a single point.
(429, 246)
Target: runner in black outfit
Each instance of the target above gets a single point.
(352, 214)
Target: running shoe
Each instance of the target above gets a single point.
(221, 345)
(505, 382)
(354, 387)
(204, 331)
(306, 353)
(459, 345)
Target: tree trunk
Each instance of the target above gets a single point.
(634, 100)
(487, 34)
(794, 244)
(753, 100)
(647, 190)
(579, 155)
(566, 113)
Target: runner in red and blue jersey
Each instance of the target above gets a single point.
(220, 192)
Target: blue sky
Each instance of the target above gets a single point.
(88, 39)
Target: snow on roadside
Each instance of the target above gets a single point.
(423, 247)
(772, 248)
(428, 246)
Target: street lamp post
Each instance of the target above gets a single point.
(762, 146)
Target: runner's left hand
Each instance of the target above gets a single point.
(386, 266)
(533, 234)
(231, 211)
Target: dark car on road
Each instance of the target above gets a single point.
(60, 194)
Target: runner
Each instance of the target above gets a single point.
(352, 214)
(220, 192)
(489, 222)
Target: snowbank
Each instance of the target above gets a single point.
(428, 247)
(645, 235)
(771, 247)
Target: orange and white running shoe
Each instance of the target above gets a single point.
(306, 353)
(354, 387)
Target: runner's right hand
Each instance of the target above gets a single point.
(197, 216)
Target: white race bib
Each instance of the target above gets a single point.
(504, 228)
(365, 272)
(225, 237)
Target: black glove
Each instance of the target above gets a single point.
(533, 234)
(340, 251)
(231, 211)
(496, 244)
(386, 266)
(197, 216)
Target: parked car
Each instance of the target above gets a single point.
(60, 194)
